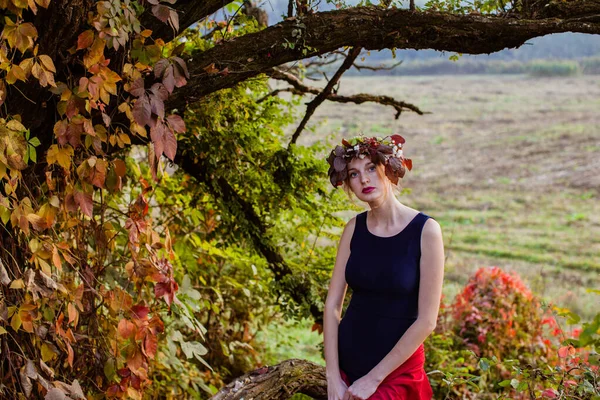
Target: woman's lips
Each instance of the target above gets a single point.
(368, 189)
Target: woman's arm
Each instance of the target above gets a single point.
(430, 292)
(333, 312)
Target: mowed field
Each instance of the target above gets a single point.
(509, 165)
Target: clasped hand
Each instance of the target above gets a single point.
(361, 389)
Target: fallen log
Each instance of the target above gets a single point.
(278, 382)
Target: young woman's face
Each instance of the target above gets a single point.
(365, 180)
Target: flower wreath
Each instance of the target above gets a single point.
(387, 151)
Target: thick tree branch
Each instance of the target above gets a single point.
(320, 98)
(374, 29)
(278, 382)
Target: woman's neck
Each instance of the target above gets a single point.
(388, 212)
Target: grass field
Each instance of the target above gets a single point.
(509, 166)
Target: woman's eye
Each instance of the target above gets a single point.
(371, 169)
(353, 174)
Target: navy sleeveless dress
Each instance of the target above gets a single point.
(383, 273)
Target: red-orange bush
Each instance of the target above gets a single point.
(496, 315)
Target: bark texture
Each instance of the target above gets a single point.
(278, 382)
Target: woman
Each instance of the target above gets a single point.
(393, 259)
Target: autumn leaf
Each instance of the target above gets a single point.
(20, 36)
(95, 53)
(126, 329)
(73, 314)
(84, 201)
(47, 63)
(142, 110)
(61, 155)
(176, 123)
(85, 39)
(140, 311)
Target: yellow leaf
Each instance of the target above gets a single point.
(60, 155)
(47, 353)
(17, 284)
(15, 322)
(146, 33)
(15, 73)
(47, 63)
(2, 331)
(26, 65)
(95, 53)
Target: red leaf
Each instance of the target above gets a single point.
(397, 139)
(126, 329)
(160, 91)
(157, 137)
(150, 345)
(170, 142)
(159, 67)
(174, 20)
(176, 123)
(140, 311)
(142, 111)
(168, 79)
(70, 354)
(182, 66)
(124, 372)
(85, 202)
(85, 39)
(161, 12)
(158, 106)
(137, 87)
(179, 77)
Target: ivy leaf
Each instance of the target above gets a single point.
(61, 155)
(47, 63)
(95, 53)
(169, 79)
(142, 111)
(140, 311)
(176, 123)
(160, 67)
(157, 137)
(20, 36)
(137, 87)
(161, 12)
(85, 202)
(157, 106)
(126, 329)
(150, 345)
(85, 39)
(170, 143)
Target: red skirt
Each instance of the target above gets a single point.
(407, 382)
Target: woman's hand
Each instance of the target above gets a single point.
(362, 388)
(336, 388)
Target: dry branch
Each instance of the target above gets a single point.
(316, 102)
(299, 88)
